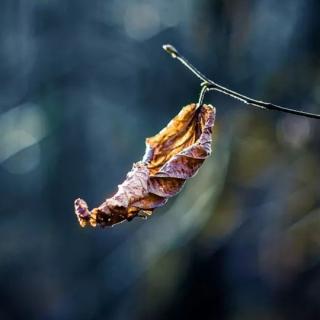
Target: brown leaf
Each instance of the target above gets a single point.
(172, 156)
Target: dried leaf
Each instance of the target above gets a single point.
(172, 156)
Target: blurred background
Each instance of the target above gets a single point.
(82, 84)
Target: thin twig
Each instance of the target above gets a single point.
(211, 85)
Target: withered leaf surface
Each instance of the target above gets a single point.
(172, 156)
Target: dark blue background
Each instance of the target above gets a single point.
(82, 83)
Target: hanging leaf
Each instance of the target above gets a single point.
(172, 156)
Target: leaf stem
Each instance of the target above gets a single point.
(202, 94)
(211, 85)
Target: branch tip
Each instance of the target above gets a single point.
(171, 50)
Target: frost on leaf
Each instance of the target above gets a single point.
(172, 156)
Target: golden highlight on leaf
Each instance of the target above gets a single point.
(172, 156)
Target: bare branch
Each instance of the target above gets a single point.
(211, 85)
